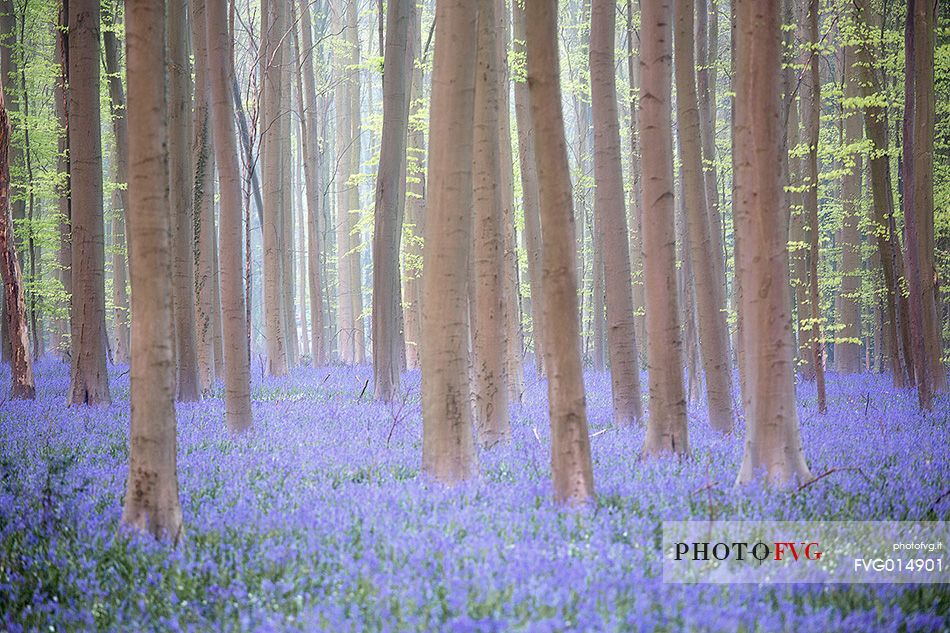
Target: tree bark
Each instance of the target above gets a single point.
(64, 254)
(570, 443)
(514, 344)
(414, 226)
(447, 444)
(491, 304)
(707, 60)
(529, 189)
(918, 197)
(151, 498)
(237, 369)
(89, 383)
(772, 441)
(273, 50)
(875, 123)
(203, 209)
(609, 209)
(636, 198)
(182, 200)
(848, 348)
(312, 164)
(354, 244)
(391, 202)
(666, 426)
(811, 94)
(21, 365)
(120, 299)
(703, 245)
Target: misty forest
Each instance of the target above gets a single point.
(423, 315)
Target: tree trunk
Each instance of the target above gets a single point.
(120, 299)
(447, 445)
(273, 50)
(237, 369)
(772, 441)
(609, 209)
(62, 166)
(703, 245)
(811, 94)
(514, 344)
(203, 210)
(918, 197)
(391, 201)
(707, 60)
(151, 498)
(21, 366)
(666, 427)
(848, 349)
(490, 302)
(597, 316)
(797, 245)
(414, 226)
(570, 443)
(875, 123)
(636, 199)
(923, 147)
(354, 243)
(529, 190)
(312, 164)
(288, 312)
(182, 200)
(89, 382)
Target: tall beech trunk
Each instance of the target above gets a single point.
(120, 298)
(286, 239)
(274, 47)
(21, 365)
(707, 60)
(570, 443)
(875, 124)
(448, 453)
(514, 343)
(489, 333)
(797, 246)
(848, 349)
(918, 198)
(925, 18)
(414, 225)
(151, 498)
(354, 242)
(609, 208)
(597, 315)
(391, 201)
(182, 199)
(529, 189)
(10, 70)
(64, 254)
(772, 441)
(636, 198)
(348, 285)
(89, 382)
(703, 245)
(202, 152)
(811, 96)
(687, 299)
(312, 164)
(666, 426)
(237, 367)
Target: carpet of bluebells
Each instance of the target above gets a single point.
(319, 518)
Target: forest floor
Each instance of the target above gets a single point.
(318, 519)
